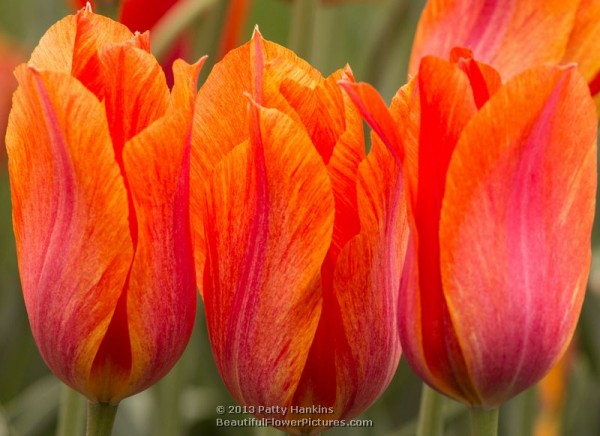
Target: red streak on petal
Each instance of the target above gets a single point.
(244, 302)
(112, 364)
(318, 383)
(595, 85)
(443, 116)
(259, 64)
(463, 58)
(62, 213)
(374, 111)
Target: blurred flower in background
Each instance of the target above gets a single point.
(10, 56)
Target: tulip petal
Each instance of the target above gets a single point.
(184, 89)
(268, 228)
(584, 43)
(336, 130)
(71, 229)
(510, 35)
(515, 228)
(443, 105)
(348, 153)
(72, 45)
(129, 71)
(162, 286)
(376, 114)
(365, 348)
(223, 124)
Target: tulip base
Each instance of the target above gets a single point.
(100, 420)
(484, 422)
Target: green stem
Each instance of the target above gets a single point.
(168, 421)
(178, 18)
(71, 414)
(101, 417)
(484, 422)
(303, 26)
(431, 422)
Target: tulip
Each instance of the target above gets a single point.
(303, 236)
(501, 181)
(98, 161)
(513, 36)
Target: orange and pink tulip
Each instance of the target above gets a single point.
(99, 158)
(501, 192)
(299, 238)
(515, 35)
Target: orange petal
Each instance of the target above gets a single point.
(157, 308)
(445, 104)
(376, 114)
(269, 220)
(184, 92)
(72, 45)
(134, 73)
(161, 297)
(70, 219)
(365, 284)
(584, 43)
(515, 229)
(348, 153)
(221, 114)
(484, 80)
(511, 36)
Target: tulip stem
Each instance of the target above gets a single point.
(71, 412)
(431, 420)
(484, 422)
(302, 28)
(101, 417)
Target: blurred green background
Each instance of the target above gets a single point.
(374, 37)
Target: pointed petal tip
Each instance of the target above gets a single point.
(569, 66)
(375, 112)
(256, 32)
(347, 74)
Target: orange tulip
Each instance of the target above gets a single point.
(99, 158)
(513, 36)
(501, 182)
(303, 236)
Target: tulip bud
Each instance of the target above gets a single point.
(501, 182)
(99, 160)
(303, 234)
